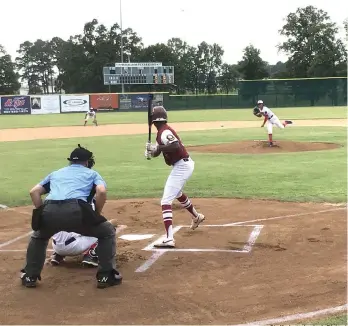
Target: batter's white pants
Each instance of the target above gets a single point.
(77, 247)
(274, 121)
(181, 172)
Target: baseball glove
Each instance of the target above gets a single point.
(256, 112)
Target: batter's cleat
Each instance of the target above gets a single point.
(166, 243)
(89, 261)
(196, 221)
(56, 259)
(288, 122)
(105, 280)
(29, 281)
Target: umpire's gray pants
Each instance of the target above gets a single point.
(68, 217)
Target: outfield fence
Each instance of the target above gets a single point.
(276, 93)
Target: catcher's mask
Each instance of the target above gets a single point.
(159, 114)
(81, 154)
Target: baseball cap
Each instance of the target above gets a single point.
(80, 154)
(259, 102)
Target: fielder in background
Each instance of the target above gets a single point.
(91, 114)
(270, 118)
(174, 152)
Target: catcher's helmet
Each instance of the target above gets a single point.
(159, 114)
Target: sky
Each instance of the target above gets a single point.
(233, 24)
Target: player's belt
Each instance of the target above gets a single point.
(186, 159)
(271, 117)
(50, 201)
(67, 242)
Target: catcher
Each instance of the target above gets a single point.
(270, 118)
(69, 244)
(89, 115)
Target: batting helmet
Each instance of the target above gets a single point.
(159, 113)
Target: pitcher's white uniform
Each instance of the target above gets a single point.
(272, 119)
(71, 243)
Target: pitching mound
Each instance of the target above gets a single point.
(262, 147)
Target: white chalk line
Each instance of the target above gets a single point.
(252, 238)
(302, 316)
(198, 250)
(247, 248)
(3, 206)
(7, 243)
(285, 216)
(157, 254)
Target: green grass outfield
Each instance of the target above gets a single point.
(331, 321)
(75, 119)
(307, 176)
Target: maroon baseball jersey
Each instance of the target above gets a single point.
(166, 135)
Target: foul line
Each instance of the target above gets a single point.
(15, 239)
(285, 216)
(305, 315)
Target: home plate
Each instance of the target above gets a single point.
(134, 237)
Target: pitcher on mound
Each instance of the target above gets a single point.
(175, 154)
(270, 118)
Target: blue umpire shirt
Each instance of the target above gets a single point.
(72, 182)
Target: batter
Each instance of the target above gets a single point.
(175, 154)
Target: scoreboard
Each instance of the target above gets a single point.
(138, 73)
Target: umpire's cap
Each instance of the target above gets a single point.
(81, 154)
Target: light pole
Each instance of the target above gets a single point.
(121, 39)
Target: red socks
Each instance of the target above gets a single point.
(167, 215)
(186, 203)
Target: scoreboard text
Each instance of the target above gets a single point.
(138, 73)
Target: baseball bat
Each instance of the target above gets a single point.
(149, 117)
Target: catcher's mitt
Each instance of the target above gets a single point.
(256, 112)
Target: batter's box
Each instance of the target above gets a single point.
(240, 242)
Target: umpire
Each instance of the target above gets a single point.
(66, 209)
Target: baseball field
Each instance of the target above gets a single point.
(273, 247)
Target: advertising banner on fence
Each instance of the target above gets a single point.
(104, 102)
(15, 105)
(140, 101)
(74, 103)
(125, 102)
(45, 104)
